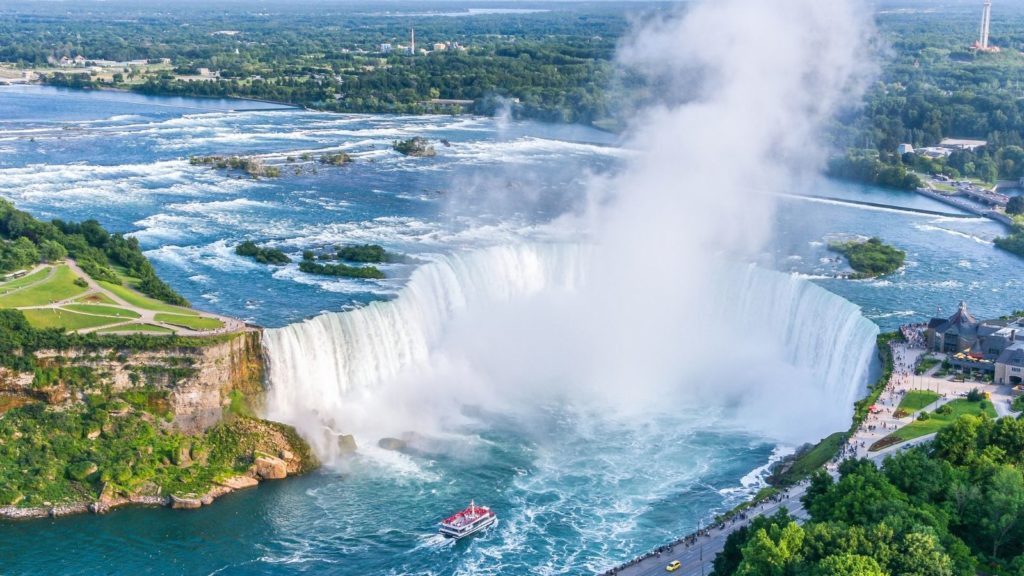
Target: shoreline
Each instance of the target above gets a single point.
(104, 505)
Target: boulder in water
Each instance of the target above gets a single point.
(391, 443)
(271, 468)
(347, 444)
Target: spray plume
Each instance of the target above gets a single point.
(648, 314)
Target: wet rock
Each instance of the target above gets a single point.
(347, 444)
(391, 443)
(270, 468)
(185, 502)
(239, 482)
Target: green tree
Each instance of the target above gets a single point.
(1015, 206)
(849, 565)
(772, 552)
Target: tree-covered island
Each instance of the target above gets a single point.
(273, 256)
(870, 258)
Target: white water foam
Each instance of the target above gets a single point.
(395, 363)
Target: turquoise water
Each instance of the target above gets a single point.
(574, 492)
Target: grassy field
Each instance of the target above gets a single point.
(147, 328)
(50, 318)
(917, 399)
(60, 286)
(101, 310)
(191, 322)
(23, 281)
(136, 299)
(936, 422)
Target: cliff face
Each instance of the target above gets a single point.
(196, 384)
(177, 426)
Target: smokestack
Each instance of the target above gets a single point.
(412, 41)
(986, 17)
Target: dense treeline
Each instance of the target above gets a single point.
(865, 166)
(552, 64)
(25, 241)
(953, 507)
(933, 86)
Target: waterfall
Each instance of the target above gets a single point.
(322, 366)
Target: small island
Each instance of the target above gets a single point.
(360, 253)
(262, 255)
(417, 146)
(337, 159)
(309, 265)
(870, 258)
(252, 166)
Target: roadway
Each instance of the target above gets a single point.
(698, 557)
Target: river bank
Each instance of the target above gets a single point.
(696, 551)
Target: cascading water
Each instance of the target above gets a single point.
(319, 365)
(322, 368)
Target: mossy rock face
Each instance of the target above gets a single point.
(81, 471)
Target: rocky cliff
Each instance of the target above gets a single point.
(94, 429)
(195, 383)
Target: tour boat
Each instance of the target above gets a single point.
(472, 519)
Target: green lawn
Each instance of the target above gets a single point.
(148, 328)
(917, 399)
(60, 286)
(136, 299)
(936, 422)
(191, 322)
(101, 310)
(50, 318)
(24, 280)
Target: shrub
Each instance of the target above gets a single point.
(923, 416)
(975, 395)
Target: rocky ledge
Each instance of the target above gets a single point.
(264, 468)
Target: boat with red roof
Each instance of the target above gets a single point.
(471, 520)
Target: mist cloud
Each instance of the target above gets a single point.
(656, 321)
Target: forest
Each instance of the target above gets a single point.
(555, 63)
(25, 241)
(955, 506)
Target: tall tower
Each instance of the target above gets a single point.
(412, 40)
(986, 17)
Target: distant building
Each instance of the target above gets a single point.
(962, 144)
(440, 47)
(995, 346)
(904, 149)
(386, 48)
(934, 152)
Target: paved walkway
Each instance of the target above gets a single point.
(145, 316)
